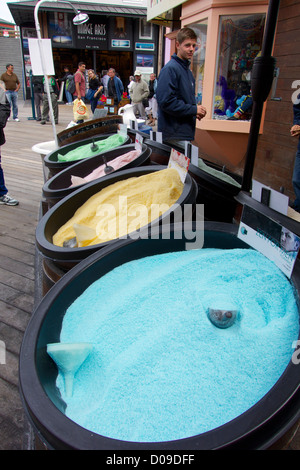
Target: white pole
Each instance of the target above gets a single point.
(38, 30)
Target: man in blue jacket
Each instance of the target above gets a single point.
(175, 94)
(115, 86)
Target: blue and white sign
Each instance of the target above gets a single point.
(144, 46)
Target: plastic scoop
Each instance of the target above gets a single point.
(222, 312)
(68, 358)
(108, 169)
(84, 235)
(94, 146)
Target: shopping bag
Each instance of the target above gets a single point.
(80, 110)
(90, 94)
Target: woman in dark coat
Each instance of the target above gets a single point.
(95, 89)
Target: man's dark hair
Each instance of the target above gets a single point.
(81, 63)
(185, 33)
(8, 65)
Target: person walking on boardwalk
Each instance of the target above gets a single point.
(115, 86)
(53, 95)
(12, 85)
(80, 84)
(5, 198)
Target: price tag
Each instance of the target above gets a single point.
(156, 136)
(192, 152)
(133, 124)
(138, 142)
(180, 162)
(122, 129)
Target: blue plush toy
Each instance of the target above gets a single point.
(244, 104)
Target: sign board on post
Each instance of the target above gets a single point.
(277, 201)
(35, 56)
(269, 238)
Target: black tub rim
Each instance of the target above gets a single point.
(199, 174)
(55, 425)
(74, 255)
(59, 193)
(52, 164)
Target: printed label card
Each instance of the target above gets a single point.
(138, 142)
(269, 238)
(180, 162)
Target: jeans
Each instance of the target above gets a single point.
(3, 189)
(12, 97)
(296, 179)
(69, 97)
(94, 102)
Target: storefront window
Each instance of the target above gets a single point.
(199, 57)
(240, 41)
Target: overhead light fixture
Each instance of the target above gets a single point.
(80, 18)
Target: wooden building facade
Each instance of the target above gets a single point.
(276, 149)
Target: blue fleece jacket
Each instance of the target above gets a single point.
(176, 99)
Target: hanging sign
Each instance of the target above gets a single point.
(93, 34)
(36, 59)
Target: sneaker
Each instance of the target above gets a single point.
(43, 122)
(17, 119)
(8, 200)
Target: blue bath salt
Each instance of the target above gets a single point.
(159, 369)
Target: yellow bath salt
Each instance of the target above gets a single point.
(122, 208)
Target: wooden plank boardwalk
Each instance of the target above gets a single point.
(24, 180)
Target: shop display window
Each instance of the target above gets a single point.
(240, 41)
(199, 57)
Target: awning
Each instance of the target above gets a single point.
(23, 12)
(160, 11)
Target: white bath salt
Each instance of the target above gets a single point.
(159, 369)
